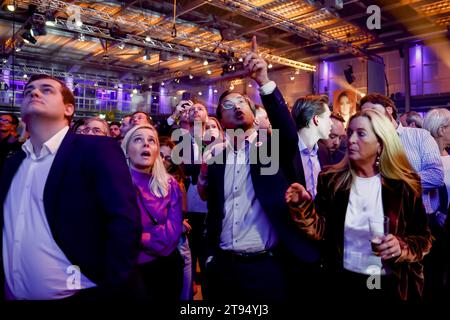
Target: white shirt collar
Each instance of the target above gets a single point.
(249, 139)
(302, 146)
(51, 146)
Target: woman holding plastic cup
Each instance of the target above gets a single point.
(373, 182)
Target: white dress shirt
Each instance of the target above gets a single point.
(423, 154)
(365, 202)
(35, 267)
(245, 227)
(311, 165)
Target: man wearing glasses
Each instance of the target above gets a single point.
(71, 226)
(96, 127)
(250, 241)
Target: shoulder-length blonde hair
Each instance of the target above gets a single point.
(393, 161)
(159, 182)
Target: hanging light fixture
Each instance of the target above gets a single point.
(50, 19)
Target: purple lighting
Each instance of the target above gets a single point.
(210, 99)
(324, 74)
(417, 77)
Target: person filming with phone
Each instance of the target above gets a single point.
(374, 182)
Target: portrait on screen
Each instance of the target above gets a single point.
(344, 103)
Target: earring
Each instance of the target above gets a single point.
(377, 160)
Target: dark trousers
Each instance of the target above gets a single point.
(196, 241)
(162, 278)
(435, 264)
(245, 279)
(307, 282)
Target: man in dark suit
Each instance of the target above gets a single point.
(249, 236)
(70, 221)
(333, 149)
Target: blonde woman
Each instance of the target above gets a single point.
(374, 180)
(160, 202)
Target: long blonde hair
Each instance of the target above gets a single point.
(393, 161)
(159, 181)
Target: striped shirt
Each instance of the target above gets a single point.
(423, 154)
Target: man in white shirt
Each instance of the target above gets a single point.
(312, 117)
(247, 233)
(70, 222)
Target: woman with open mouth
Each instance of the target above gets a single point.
(159, 199)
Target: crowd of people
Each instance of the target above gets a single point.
(257, 203)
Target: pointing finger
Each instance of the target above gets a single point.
(254, 44)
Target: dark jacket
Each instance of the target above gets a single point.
(269, 189)
(91, 208)
(324, 218)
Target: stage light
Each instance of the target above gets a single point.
(348, 73)
(28, 38)
(50, 19)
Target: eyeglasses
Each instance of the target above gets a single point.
(229, 104)
(164, 157)
(5, 121)
(95, 131)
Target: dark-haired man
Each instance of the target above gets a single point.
(71, 226)
(312, 118)
(252, 246)
(333, 149)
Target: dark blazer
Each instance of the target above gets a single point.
(191, 166)
(324, 218)
(91, 207)
(269, 189)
